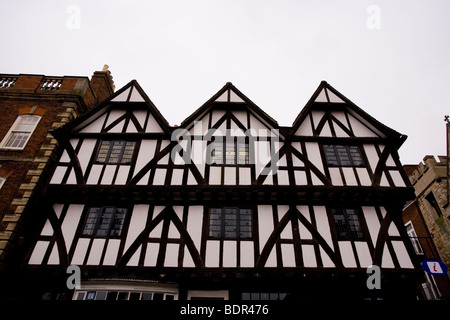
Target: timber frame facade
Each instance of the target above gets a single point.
(229, 205)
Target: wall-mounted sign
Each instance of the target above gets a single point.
(434, 267)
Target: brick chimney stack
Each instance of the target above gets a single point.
(102, 83)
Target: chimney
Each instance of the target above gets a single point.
(102, 83)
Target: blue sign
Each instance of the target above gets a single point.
(434, 267)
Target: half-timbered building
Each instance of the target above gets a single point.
(228, 205)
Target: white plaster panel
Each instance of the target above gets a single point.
(54, 256)
(288, 255)
(348, 259)
(365, 259)
(402, 255)
(94, 175)
(134, 260)
(397, 177)
(245, 176)
(386, 259)
(215, 175)
(108, 174)
(305, 128)
(151, 255)
(314, 155)
(160, 177)
(152, 125)
(349, 175)
(38, 252)
(229, 253)
(122, 175)
(85, 153)
(111, 252)
(137, 223)
(95, 126)
(326, 260)
(300, 178)
(171, 258)
(247, 254)
(364, 177)
(309, 256)
(322, 224)
(265, 223)
(114, 115)
(372, 222)
(177, 177)
(230, 176)
(283, 177)
(58, 175)
(194, 224)
(96, 252)
(80, 251)
(71, 222)
(336, 178)
(212, 253)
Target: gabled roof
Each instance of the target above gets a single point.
(130, 94)
(230, 94)
(329, 96)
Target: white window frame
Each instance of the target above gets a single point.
(2, 181)
(215, 294)
(413, 238)
(13, 130)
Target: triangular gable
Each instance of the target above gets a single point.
(128, 105)
(314, 121)
(230, 94)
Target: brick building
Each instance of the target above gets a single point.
(427, 220)
(30, 106)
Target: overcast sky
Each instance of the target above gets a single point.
(391, 58)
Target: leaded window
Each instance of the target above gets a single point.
(115, 152)
(348, 224)
(229, 152)
(343, 156)
(104, 222)
(230, 223)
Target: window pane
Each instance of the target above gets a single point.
(340, 155)
(18, 139)
(119, 218)
(331, 156)
(347, 223)
(115, 152)
(103, 151)
(243, 153)
(340, 223)
(356, 156)
(91, 221)
(343, 156)
(230, 153)
(217, 153)
(135, 296)
(158, 296)
(112, 295)
(146, 296)
(354, 224)
(128, 152)
(105, 222)
(26, 123)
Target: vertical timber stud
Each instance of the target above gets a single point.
(446, 119)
